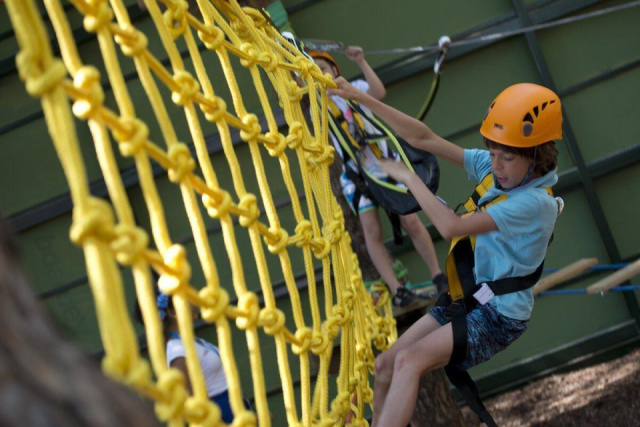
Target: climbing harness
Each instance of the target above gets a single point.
(464, 295)
(387, 193)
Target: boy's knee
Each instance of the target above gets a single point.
(384, 366)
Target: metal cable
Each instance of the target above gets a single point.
(332, 46)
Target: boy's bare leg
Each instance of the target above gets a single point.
(421, 241)
(372, 230)
(430, 353)
(385, 361)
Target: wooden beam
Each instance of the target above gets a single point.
(564, 274)
(603, 286)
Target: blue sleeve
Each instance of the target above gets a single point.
(477, 163)
(517, 215)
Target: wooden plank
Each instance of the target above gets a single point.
(564, 274)
(603, 286)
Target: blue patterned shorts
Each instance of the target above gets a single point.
(488, 332)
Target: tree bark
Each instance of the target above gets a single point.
(44, 380)
(435, 405)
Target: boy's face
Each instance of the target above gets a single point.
(326, 67)
(509, 169)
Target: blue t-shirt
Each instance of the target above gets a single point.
(525, 222)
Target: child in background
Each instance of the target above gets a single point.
(366, 208)
(512, 227)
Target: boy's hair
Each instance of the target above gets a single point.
(546, 155)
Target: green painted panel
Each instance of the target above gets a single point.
(602, 115)
(49, 256)
(381, 24)
(467, 86)
(620, 200)
(581, 50)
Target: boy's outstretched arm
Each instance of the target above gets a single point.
(448, 224)
(413, 131)
(376, 87)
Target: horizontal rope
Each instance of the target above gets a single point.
(583, 291)
(334, 46)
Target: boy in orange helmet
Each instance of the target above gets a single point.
(498, 248)
(365, 207)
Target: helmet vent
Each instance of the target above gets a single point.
(492, 104)
(486, 114)
(527, 128)
(536, 110)
(552, 101)
(528, 118)
(544, 106)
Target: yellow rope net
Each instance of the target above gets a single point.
(109, 238)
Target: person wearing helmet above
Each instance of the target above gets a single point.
(510, 223)
(352, 182)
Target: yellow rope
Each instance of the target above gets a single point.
(109, 236)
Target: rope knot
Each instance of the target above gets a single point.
(175, 17)
(253, 128)
(201, 412)
(333, 232)
(277, 143)
(269, 61)
(258, 19)
(304, 230)
(93, 220)
(324, 156)
(188, 87)
(249, 308)
(176, 281)
(341, 404)
(182, 162)
(132, 140)
(87, 81)
(319, 343)
(216, 300)
(294, 139)
(132, 42)
(171, 385)
(331, 327)
(217, 208)
(320, 247)
(39, 79)
(240, 29)
(277, 242)
(249, 204)
(139, 376)
(129, 244)
(295, 92)
(98, 15)
(304, 336)
(340, 313)
(245, 419)
(304, 66)
(251, 55)
(213, 108)
(272, 320)
(212, 36)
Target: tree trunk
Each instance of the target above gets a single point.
(435, 405)
(352, 224)
(44, 380)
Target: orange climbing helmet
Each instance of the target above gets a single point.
(324, 55)
(523, 115)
